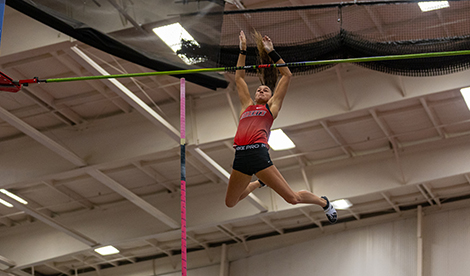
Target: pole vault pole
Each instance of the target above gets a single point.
(184, 268)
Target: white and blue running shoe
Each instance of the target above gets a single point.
(330, 211)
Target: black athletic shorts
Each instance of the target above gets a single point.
(250, 159)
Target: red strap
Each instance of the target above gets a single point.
(35, 80)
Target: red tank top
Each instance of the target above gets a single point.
(254, 126)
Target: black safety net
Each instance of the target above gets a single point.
(125, 28)
(351, 30)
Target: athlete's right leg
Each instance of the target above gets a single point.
(238, 186)
(273, 178)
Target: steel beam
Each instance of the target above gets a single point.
(47, 220)
(126, 94)
(41, 138)
(139, 202)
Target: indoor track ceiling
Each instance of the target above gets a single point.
(378, 117)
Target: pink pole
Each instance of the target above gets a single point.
(184, 269)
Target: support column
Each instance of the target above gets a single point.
(419, 252)
(223, 261)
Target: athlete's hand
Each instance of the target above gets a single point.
(268, 44)
(242, 41)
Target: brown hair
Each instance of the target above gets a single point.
(268, 76)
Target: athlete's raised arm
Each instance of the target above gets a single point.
(242, 87)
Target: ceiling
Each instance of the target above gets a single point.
(98, 166)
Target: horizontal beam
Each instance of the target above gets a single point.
(7, 262)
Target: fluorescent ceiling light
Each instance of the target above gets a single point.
(8, 204)
(466, 95)
(107, 250)
(433, 5)
(15, 197)
(172, 35)
(341, 204)
(278, 140)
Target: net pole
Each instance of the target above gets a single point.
(246, 67)
(184, 268)
(2, 13)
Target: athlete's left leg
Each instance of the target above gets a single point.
(273, 178)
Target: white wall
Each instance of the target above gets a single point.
(447, 243)
(383, 249)
(386, 249)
